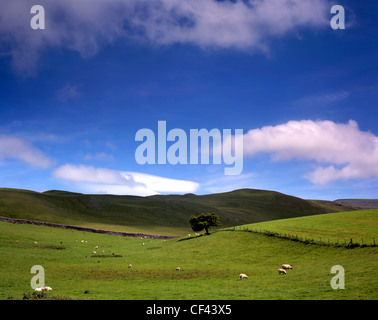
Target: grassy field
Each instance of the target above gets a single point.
(162, 214)
(340, 227)
(210, 265)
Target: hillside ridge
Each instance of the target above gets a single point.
(156, 214)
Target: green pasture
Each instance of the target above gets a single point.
(210, 266)
(361, 226)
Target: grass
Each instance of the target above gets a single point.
(210, 266)
(340, 227)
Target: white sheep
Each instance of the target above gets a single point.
(281, 271)
(178, 269)
(94, 252)
(243, 276)
(143, 244)
(287, 266)
(96, 247)
(188, 234)
(45, 288)
(130, 266)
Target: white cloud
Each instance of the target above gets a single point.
(84, 26)
(98, 156)
(67, 92)
(347, 152)
(102, 180)
(222, 183)
(21, 149)
(322, 99)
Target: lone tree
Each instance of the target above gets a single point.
(204, 221)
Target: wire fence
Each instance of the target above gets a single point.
(347, 243)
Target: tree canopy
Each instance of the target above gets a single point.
(204, 221)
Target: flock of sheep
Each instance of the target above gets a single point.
(282, 270)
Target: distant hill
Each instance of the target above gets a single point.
(159, 214)
(359, 203)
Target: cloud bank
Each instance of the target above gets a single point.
(102, 180)
(345, 150)
(16, 148)
(86, 25)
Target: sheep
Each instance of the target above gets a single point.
(35, 242)
(94, 252)
(130, 266)
(142, 243)
(287, 266)
(243, 276)
(188, 234)
(281, 271)
(178, 269)
(40, 289)
(96, 247)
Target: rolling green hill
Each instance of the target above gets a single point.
(210, 265)
(360, 225)
(160, 214)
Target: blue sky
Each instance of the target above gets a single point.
(74, 95)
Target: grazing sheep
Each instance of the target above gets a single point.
(281, 271)
(96, 247)
(243, 276)
(143, 244)
(94, 252)
(40, 289)
(287, 266)
(35, 242)
(130, 266)
(178, 269)
(188, 234)
(82, 241)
